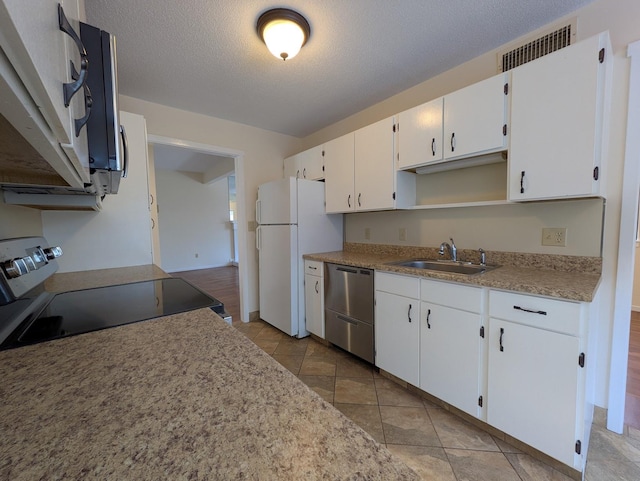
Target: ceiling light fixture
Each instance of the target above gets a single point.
(284, 31)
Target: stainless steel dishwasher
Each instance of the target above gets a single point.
(349, 309)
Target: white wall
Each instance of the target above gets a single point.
(621, 19)
(264, 152)
(119, 235)
(17, 221)
(193, 220)
(510, 228)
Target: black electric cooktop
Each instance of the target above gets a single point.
(77, 312)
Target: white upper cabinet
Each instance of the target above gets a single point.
(306, 165)
(360, 172)
(475, 119)
(557, 113)
(420, 135)
(339, 175)
(41, 55)
(374, 166)
(466, 123)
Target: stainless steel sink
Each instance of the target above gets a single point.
(457, 267)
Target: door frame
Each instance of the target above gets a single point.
(238, 159)
(626, 251)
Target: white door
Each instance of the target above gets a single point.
(278, 276)
(533, 383)
(450, 355)
(374, 166)
(397, 336)
(314, 304)
(474, 118)
(277, 203)
(420, 135)
(339, 174)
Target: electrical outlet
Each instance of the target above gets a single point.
(367, 233)
(402, 234)
(554, 236)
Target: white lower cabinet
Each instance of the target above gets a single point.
(397, 325)
(314, 297)
(451, 344)
(536, 378)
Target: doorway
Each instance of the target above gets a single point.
(216, 164)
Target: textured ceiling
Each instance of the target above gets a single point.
(205, 56)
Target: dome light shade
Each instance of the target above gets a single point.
(284, 32)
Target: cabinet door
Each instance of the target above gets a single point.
(41, 54)
(533, 383)
(374, 166)
(556, 123)
(291, 166)
(450, 355)
(397, 336)
(311, 163)
(339, 175)
(314, 304)
(420, 135)
(474, 118)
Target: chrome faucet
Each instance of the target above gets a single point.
(451, 249)
(483, 257)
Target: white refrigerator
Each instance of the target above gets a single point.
(291, 222)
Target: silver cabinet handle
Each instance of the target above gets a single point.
(359, 203)
(349, 200)
(428, 316)
(501, 335)
(453, 141)
(153, 223)
(304, 173)
(433, 146)
(409, 313)
(317, 291)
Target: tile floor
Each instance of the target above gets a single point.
(435, 443)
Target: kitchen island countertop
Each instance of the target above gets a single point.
(178, 397)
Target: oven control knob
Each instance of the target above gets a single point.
(18, 267)
(52, 252)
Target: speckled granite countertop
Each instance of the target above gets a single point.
(72, 281)
(178, 397)
(564, 277)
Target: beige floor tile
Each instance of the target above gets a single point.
(454, 432)
(480, 466)
(408, 425)
(430, 463)
(355, 391)
(603, 469)
(367, 417)
(250, 329)
(318, 366)
(530, 469)
(266, 345)
(353, 367)
(323, 385)
(270, 333)
(505, 447)
(315, 349)
(606, 444)
(390, 394)
(292, 363)
(292, 347)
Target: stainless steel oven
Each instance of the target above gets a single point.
(349, 321)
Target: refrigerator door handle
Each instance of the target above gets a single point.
(258, 205)
(258, 237)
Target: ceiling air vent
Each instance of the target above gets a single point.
(541, 46)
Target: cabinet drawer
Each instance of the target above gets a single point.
(315, 268)
(466, 298)
(397, 284)
(542, 312)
